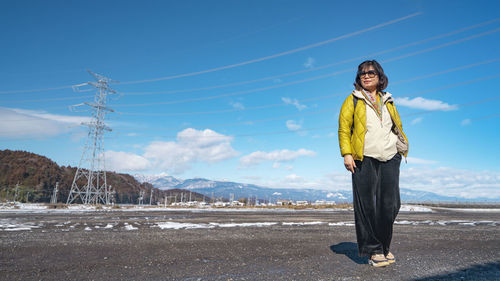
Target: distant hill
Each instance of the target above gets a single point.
(37, 176)
(237, 191)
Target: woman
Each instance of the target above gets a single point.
(372, 141)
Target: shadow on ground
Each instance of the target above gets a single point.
(487, 271)
(349, 249)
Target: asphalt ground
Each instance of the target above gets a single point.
(445, 245)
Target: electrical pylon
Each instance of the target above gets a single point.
(89, 184)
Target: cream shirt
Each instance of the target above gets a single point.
(380, 141)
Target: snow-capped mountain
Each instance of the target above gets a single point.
(160, 181)
(227, 189)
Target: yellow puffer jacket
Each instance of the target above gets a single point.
(354, 143)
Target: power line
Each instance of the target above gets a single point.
(319, 67)
(448, 86)
(244, 92)
(302, 81)
(336, 126)
(230, 124)
(287, 74)
(486, 117)
(307, 129)
(301, 71)
(278, 54)
(241, 63)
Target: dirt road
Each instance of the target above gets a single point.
(236, 245)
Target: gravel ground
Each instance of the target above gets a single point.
(321, 245)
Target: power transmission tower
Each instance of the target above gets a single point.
(89, 184)
(141, 196)
(53, 199)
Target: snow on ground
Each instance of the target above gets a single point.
(470, 210)
(413, 208)
(450, 222)
(342, 223)
(14, 225)
(129, 227)
(75, 208)
(180, 225)
(303, 223)
(246, 224)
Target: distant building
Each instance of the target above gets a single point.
(284, 202)
(302, 202)
(237, 203)
(221, 204)
(323, 203)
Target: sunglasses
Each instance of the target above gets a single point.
(370, 73)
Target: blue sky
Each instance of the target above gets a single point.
(250, 91)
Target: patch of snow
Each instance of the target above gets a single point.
(342, 223)
(416, 209)
(303, 223)
(470, 210)
(14, 225)
(130, 227)
(179, 225)
(245, 224)
(88, 229)
(450, 222)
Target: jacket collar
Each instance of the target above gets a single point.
(386, 96)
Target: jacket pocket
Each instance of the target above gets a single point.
(401, 144)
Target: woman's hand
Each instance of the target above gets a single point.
(349, 163)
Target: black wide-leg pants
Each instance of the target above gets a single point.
(376, 201)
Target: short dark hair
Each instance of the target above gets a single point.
(383, 81)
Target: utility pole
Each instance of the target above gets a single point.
(89, 184)
(16, 192)
(53, 199)
(141, 197)
(151, 197)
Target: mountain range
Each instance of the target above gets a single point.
(227, 189)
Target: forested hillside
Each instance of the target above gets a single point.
(37, 176)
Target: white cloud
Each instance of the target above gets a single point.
(191, 146)
(336, 195)
(284, 155)
(413, 160)
(309, 62)
(417, 120)
(294, 178)
(293, 126)
(465, 122)
(237, 105)
(20, 123)
(123, 161)
(452, 182)
(276, 165)
(425, 104)
(294, 102)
